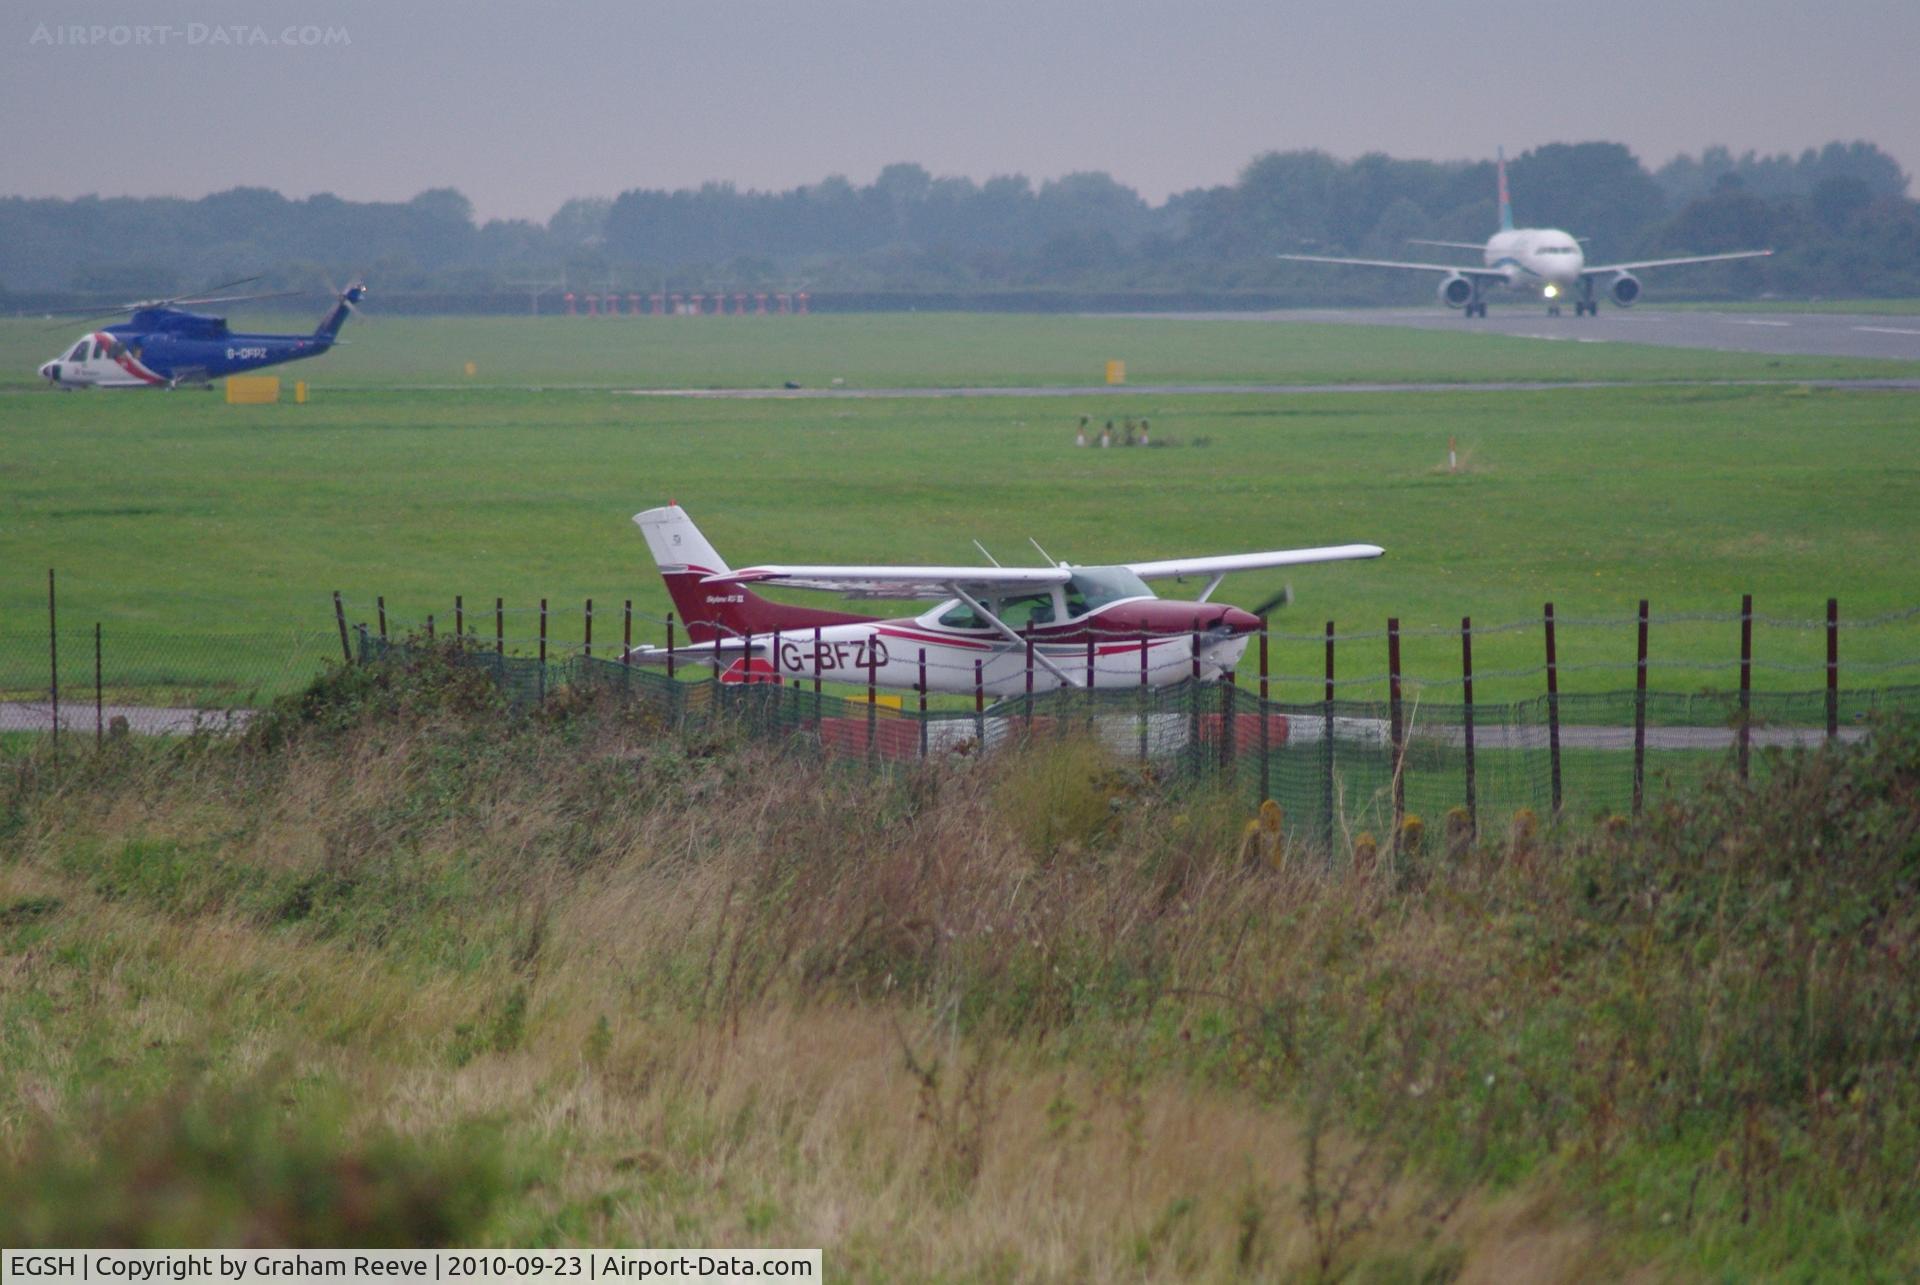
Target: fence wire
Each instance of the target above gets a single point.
(1339, 767)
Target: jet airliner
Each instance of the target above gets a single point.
(1543, 261)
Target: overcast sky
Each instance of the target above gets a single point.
(379, 99)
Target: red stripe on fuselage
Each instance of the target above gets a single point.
(125, 360)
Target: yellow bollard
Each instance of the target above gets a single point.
(253, 390)
(1116, 372)
(472, 370)
(300, 392)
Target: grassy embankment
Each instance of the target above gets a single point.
(398, 968)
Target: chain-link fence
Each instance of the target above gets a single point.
(1357, 746)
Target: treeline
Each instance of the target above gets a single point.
(1839, 215)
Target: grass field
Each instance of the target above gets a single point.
(171, 514)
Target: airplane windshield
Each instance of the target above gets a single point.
(1098, 586)
(79, 352)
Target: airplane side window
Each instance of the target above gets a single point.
(1029, 609)
(79, 352)
(1076, 603)
(116, 350)
(963, 617)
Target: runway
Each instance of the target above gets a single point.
(1800, 334)
(1188, 390)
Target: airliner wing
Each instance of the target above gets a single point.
(1476, 247)
(901, 582)
(1599, 269)
(1221, 565)
(1484, 274)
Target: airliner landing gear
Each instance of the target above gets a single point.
(1476, 307)
(1586, 304)
(1553, 309)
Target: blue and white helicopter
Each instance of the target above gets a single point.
(164, 346)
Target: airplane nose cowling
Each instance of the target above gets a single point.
(1240, 622)
(51, 371)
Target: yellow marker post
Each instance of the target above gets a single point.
(472, 370)
(253, 390)
(1116, 372)
(300, 392)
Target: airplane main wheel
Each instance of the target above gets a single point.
(1553, 310)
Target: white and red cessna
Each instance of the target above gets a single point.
(1082, 626)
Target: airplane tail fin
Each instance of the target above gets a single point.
(1506, 201)
(717, 608)
(329, 328)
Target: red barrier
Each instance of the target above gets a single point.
(1246, 731)
(894, 738)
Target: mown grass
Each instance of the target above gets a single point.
(175, 518)
(1034, 1017)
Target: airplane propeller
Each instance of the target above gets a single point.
(1282, 599)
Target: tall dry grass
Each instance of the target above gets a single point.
(1034, 1016)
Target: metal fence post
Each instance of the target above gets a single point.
(1326, 753)
(1395, 732)
(1145, 692)
(459, 618)
(1193, 701)
(1266, 746)
(873, 703)
(1746, 682)
(99, 724)
(1466, 716)
(979, 705)
(542, 686)
(340, 618)
(380, 601)
(923, 702)
(670, 647)
(1833, 668)
(499, 626)
(53, 656)
(626, 633)
(587, 620)
(816, 676)
(1640, 716)
(1553, 710)
(429, 626)
(1029, 633)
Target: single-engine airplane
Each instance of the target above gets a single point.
(164, 346)
(1100, 624)
(1542, 261)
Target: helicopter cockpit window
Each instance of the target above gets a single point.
(116, 350)
(99, 350)
(79, 352)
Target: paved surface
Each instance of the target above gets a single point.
(148, 720)
(1171, 390)
(1811, 334)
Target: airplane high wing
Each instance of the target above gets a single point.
(1227, 563)
(1604, 268)
(1486, 274)
(900, 582)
